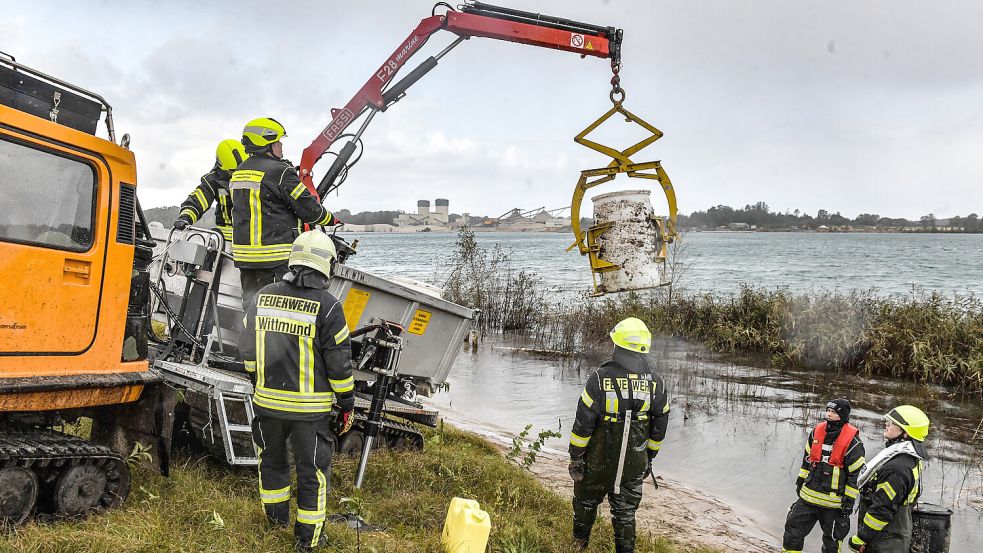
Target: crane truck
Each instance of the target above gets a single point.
(85, 280)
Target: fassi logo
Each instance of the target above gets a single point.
(338, 124)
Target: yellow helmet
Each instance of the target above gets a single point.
(229, 154)
(313, 249)
(633, 335)
(911, 419)
(262, 132)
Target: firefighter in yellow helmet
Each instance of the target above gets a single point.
(270, 206)
(621, 421)
(891, 483)
(296, 348)
(214, 188)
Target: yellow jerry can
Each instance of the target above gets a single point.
(466, 528)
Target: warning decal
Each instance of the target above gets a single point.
(576, 40)
(419, 323)
(354, 305)
(590, 46)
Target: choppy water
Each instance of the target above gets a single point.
(721, 261)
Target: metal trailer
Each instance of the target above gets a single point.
(199, 296)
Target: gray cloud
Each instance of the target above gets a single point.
(844, 106)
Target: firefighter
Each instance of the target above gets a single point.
(827, 483)
(621, 421)
(891, 484)
(270, 206)
(214, 187)
(296, 348)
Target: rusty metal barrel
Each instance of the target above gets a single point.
(629, 236)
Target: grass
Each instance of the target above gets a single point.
(207, 507)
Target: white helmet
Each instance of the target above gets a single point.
(313, 249)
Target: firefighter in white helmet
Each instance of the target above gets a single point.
(296, 347)
(621, 421)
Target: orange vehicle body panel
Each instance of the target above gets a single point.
(68, 399)
(63, 313)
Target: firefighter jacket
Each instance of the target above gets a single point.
(886, 501)
(617, 448)
(269, 208)
(295, 343)
(830, 468)
(214, 187)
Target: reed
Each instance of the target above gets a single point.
(923, 336)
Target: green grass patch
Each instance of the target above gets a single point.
(208, 507)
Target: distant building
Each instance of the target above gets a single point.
(440, 217)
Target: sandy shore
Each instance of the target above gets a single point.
(674, 510)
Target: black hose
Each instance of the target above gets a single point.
(439, 4)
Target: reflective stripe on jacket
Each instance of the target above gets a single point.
(295, 341)
(214, 187)
(269, 208)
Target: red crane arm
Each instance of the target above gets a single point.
(475, 19)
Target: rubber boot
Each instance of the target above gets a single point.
(278, 514)
(584, 514)
(624, 545)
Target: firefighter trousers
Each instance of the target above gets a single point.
(801, 519)
(254, 279)
(623, 507)
(312, 445)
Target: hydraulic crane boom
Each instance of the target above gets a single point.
(474, 19)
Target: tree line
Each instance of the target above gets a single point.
(761, 216)
(758, 215)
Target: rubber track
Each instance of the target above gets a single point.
(28, 448)
(47, 453)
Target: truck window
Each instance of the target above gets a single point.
(46, 199)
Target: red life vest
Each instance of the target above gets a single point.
(839, 446)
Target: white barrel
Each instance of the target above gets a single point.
(632, 242)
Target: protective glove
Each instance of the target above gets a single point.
(841, 527)
(798, 485)
(343, 422)
(180, 224)
(576, 468)
(857, 544)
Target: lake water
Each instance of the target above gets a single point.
(718, 261)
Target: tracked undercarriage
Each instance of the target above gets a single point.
(57, 474)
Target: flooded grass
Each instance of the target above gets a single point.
(922, 337)
(205, 506)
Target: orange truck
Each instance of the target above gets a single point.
(73, 315)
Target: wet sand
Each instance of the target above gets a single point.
(674, 510)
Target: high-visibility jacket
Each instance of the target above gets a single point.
(214, 187)
(625, 383)
(824, 483)
(295, 342)
(886, 501)
(269, 208)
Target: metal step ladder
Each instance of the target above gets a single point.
(226, 390)
(228, 428)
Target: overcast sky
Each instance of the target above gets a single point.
(847, 106)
